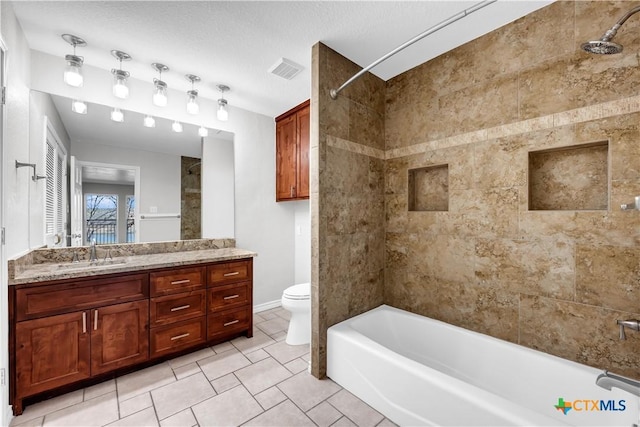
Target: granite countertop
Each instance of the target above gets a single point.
(56, 270)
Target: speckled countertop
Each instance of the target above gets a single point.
(49, 264)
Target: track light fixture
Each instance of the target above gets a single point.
(160, 91)
(120, 88)
(192, 100)
(73, 71)
(223, 112)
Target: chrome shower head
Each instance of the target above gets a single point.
(601, 47)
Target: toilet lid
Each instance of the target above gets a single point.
(301, 291)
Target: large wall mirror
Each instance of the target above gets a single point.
(135, 180)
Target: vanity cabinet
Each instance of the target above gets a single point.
(292, 154)
(69, 333)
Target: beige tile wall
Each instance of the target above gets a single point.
(553, 280)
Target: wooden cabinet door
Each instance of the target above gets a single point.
(303, 123)
(286, 157)
(51, 352)
(119, 336)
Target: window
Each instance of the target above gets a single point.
(131, 218)
(101, 213)
(55, 215)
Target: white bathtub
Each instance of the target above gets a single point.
(420, 371)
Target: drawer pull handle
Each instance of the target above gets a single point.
(95, 320)
(84, 322)
(235, 273)
(180, 282)
(231, 296)
(182, 307)
(233, 322)
(177, 337)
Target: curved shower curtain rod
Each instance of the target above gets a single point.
(334, 92)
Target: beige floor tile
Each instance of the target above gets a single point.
(257, 355)
(144, 418)
(257, 318)
(191, 358)
(34, 422)
(270, 397)
(285, 314)
(280, 336)
(95, 412)
(99, 389)
(249, 345)
(187, 370)
(284, 414)
(182, 394)
(262, 375)
(221, 348)
(143, 381)
(324, 414)
(135, 404)
(268, 314)
(48, 406)
(181, 419)
(222, 364)
(307, 391)
(277, 324)
(387, 423)
(355, 409)
(225, 383)
(230, 408)
(297, 365)
(345, 422)
(285, 353)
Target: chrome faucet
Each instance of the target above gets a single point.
(93, 256)
(607, 381)
(631, 324)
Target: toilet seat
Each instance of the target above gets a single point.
(298, 292)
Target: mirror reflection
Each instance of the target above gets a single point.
(132, 178)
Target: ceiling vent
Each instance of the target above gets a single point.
(285, 68)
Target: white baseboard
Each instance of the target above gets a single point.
(266, 306)
(7, 415)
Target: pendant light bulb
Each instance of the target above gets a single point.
(120, 88)
(192, 95)
(160, 89)
(73, 70)
(176, 126)
(149, 121)
(223, 112)
(117, 115)
(78, 106)
(203, 131)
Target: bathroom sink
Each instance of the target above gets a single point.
(94, 264)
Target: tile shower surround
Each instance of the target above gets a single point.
(259, 381)
(552, 280)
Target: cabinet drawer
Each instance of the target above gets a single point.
(178, 336)
(177, 280)
(228, 322)
(229, 272)
(75, 296)
(228, 296)
(178, 307)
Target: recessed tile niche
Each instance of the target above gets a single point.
(429, 188)
(570, 178)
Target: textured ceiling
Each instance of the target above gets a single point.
(236, 42)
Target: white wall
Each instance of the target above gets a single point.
(159, 184)
(17, 183)
(302, 242)
(218, 183)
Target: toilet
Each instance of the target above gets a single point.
(297, 300)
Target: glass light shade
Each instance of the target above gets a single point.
(120, 88)
(149, 122)
(203, 131)
(117, 115)
(192, 102)
(78, 106)
(73, 74)
(160, 93)
(223, 113)
(176, 126)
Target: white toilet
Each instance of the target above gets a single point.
(297, 300)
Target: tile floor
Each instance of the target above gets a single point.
(260, 381)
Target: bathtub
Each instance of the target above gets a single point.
(420, 371)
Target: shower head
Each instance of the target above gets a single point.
(601, 47)
(605, 46)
